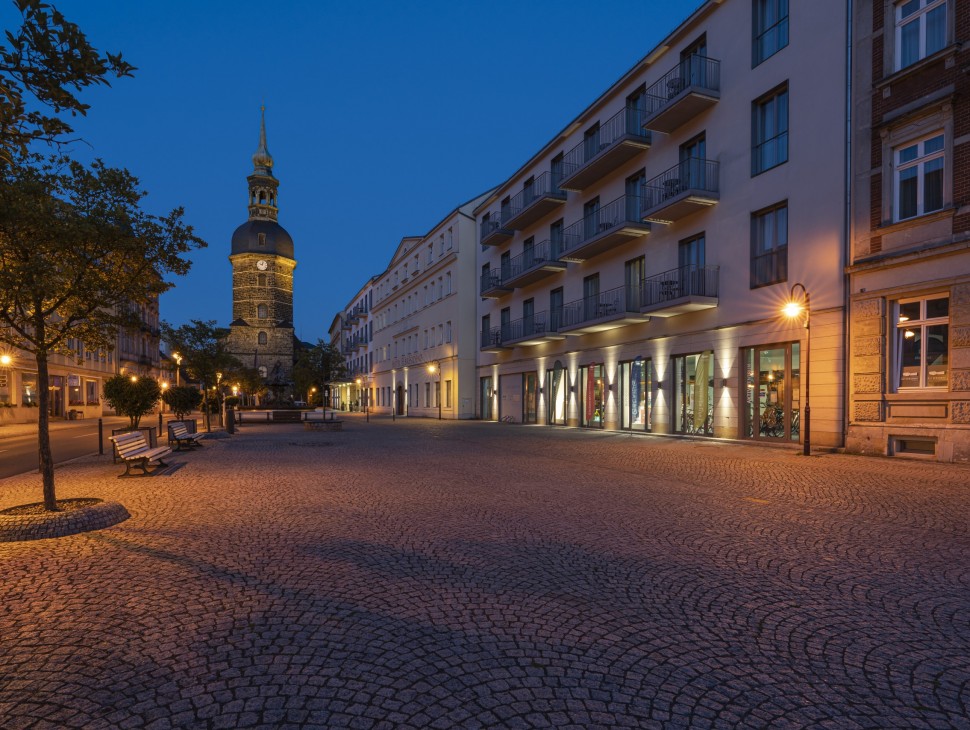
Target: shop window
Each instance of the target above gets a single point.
(593, 381)
(636, 395)
(922, 346)
(693, 411)
(75, 395)
(28, 389)
(772, 392)
(557, 384)
(91, 392)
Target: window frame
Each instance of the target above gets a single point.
(777, 251)
(758, 143)
(758, 34)
(919, 163)
(924, 323)
(898, 23)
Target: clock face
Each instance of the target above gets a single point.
(262, 265)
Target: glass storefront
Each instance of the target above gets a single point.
(771, 392)
(486, 398)
(530, 397)
(557, 383)
(636, 398)
(592, 379)
(693, 411)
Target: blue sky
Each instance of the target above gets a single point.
(381, 116)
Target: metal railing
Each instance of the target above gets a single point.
(684, 281)
(544, 186)
(490, 225)
(492, 337)
(520, 329)
(625, 209)
(694, 173)
(628, 122)
(694, 71)
(530, 259)
(491, 280)
(600, 305)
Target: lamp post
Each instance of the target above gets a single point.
(363, 399)
(794, 309)
(309, 396)
(435, 367)
(178, 366)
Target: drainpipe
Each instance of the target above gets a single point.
(847, 227)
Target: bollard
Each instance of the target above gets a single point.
(230, 420)
(159, 424)
(100, 437)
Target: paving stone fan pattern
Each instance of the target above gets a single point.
(420, 574)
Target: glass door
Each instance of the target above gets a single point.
(486, 396)
(592, 378)
(530, 397)
(694, 394)
(772, 392)
(636, 401)
(556, 386)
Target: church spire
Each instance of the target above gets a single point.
(262, 184)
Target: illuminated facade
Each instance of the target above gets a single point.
(632, 271)
(909, 322)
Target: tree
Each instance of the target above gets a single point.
(49, 60)
(249, 381)
(132, 396)
(182, 399)
(77, 255)
(202, 346)
(317, 367)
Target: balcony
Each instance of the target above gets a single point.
(492, 341)
(536, 200)
(685, 188)
(492, 286)
(345, 324)
(531, 266)
(618, 140)
(691, 87)
(612, 225)
(603, 311)
(678, 291)
(532, 330)
(493, 233)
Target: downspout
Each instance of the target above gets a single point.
(847, 228)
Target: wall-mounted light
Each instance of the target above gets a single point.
(540, 391)
(725, 383)
(611, 387)
(572, 388)
(660, 385)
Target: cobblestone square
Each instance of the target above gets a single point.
(425, 574)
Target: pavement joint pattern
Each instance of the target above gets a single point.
(426, 574)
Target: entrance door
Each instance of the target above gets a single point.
(694, 394)
(594, 395)
(556, 385)
(772, 393)
(56, 390)
(530, 397)
(486, 396)
(400, 400)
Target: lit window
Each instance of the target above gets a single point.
(920, 30)
(923, 343)
(918, 177)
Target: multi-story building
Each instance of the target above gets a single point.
(353, 329)
(633, 270)
(910, 261)
(138, 350)
(409, 335)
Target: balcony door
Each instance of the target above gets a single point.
(692, 63)
(691, 263)
(633, 274)
(529, 317)
(591, 142)
(555, 309)
(692, 157)
(591, 294)
(591, 218)
(634, 189)
(528, 254)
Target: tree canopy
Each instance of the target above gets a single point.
(317, 367)
(203, 348)
(43, 65)
(132, 396)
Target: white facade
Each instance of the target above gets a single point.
(421, 356)
(598, 314)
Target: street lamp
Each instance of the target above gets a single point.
(793, 309)
(5, 360)
(309, 395)
(178, 366)
(435, 367)
(363, 399)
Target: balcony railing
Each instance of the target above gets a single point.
(492, 286)
(682, 93)
(492, 340)
(602, 311)
(613, 224)
(684, 289)
(534, 201)
(685, 188)
(619, 139)
(536, 263)
(494, 233)
(531, 330)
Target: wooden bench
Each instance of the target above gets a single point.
(179, 435)
(134, 449)
(287, 416)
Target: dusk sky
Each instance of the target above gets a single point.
(381, 116)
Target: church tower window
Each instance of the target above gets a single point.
(262, 338)
(261, 311)
(261, 238)
(261, 279)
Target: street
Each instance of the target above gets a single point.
(69, 439)
(426, 574)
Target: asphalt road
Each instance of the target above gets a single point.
(18, 450)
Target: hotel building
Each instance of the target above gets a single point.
(632, 272)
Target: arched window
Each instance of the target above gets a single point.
(261, 338)
(261, 279)
(261, 311)
(262, 196)
(262, 371)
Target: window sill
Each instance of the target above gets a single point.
(947, 212)
(919, 395)
(914, 68)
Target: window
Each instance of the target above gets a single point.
(770, 28)
(450, 239)
(261, 239)
(447, 394)
(262, 371)
(448, 283)
(91, 392)
(448, 331)
(260, 279)
(923, 343)
(261, 338)
(261, 311)
(769, 245)
(427, 395)
(918, 177)
(920, 30)
(769, 130)
(28, 389)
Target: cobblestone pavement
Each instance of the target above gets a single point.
(440, 575)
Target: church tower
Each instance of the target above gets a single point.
(261, 332)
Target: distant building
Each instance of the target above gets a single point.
(909, 278)
(261, 332)
(137, 351)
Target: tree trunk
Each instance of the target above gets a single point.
(43, 432)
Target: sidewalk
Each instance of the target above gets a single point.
(9, 430)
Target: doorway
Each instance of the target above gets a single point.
(485, 391)
(772, 392)
(530, 397)
(399, 405)
(694, 394)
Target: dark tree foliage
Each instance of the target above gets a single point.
(132, 396)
